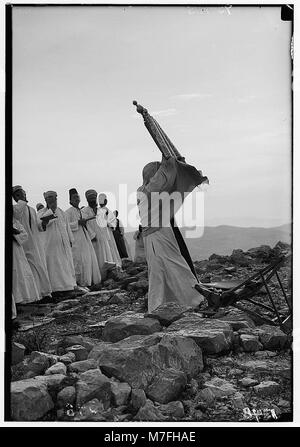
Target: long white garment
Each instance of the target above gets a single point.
(33, 247)
(170, 278)
(99, 241)
(84, 257)
(107, 221)
(24, 288)
(58, 240)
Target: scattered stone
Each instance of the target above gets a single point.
(250, 343)
(66, 396)
(206, 395)
(213, 336)
(39, 362)
(138, 398)
(82, 366)
(72, 340)
(67, 358)
(167, 386)
(238, 401)
(237, 319)
(168, 313)
(17, 353)
(80, 352)
(93, 384)
(267, 388)
(248, 382)
(58, 368)
(120, 392)
(30, 400)
(265, 354)
(123, 326)
(220, 387)
(263, 253)
(238, 257)
(280, 368)
(284, 403)
(139, 286)
(172, 410)
(149, 413)
(119, 298)
(272, 337)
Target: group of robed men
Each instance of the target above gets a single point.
(55, 251)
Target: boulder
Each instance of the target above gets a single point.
(238, 401)
(119, 298)
(167, 386)
(80, 352)
(267, 388)
(168, 313)
(30, 400)
(250, 343)
(206, 395)
(263, 253)
(172, 410)
(138, 398)
(40, 361)
(129, 360)
(72, 340)
(272, 337)
(281, 367)
(123, 326)
(68, 358)
(180, 353)
(93, 384)
(248, 382)
(149, 413)
(66, 397)
(58, 368)
(237, 319)
(238, 257)
(17, 353)
(139, 286)
(82, 366)
(211, 335)
(220, 387)
(120, 392)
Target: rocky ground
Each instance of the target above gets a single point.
(101, 357)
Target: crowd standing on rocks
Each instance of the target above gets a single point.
(103, 357)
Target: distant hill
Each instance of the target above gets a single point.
(225, 238)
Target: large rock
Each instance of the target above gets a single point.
(220, 387)
(238, 257)
(267, 388)
(238, 319)
(139, 286)
(168, 313)
(82, 366)
(138, 398)
(30, 400)
(93, 384)
(129, 360)
(280, 367)
(272, 337)
(149, 413)
(40, 361)
(17, 353)
(66, 397)
(213, 336)
(263, 253)
(120, 392)
(250, 343)
(138, 359)
(80, 352)
(180, 353)
(72, 340)
(58, 368)
(173, 410)
(125, 325)
(167, 386)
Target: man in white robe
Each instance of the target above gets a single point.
(108, 222)
(58, 242)
(33, 246)
(24, 288)
(100, 243)
(84, 256)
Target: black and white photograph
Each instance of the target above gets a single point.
(149, 214)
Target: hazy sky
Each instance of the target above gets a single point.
(218, 83)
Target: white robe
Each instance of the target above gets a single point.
(24, 288)
(107, 221)
(84, 257)
(58, 240)
(33, 247)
